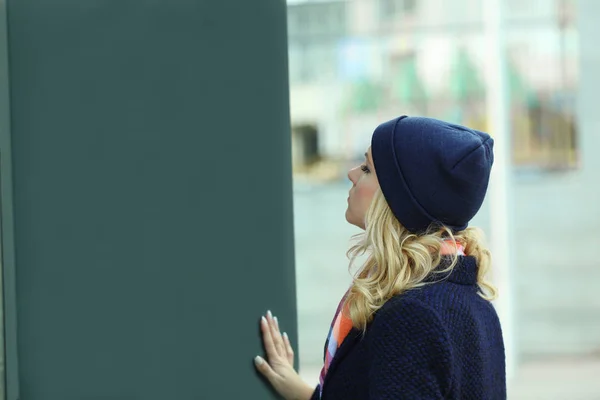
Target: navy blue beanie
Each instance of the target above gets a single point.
(431, 171)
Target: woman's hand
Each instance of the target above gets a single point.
(279, 366)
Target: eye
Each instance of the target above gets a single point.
(365, 169)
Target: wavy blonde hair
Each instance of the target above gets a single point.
(399, 260)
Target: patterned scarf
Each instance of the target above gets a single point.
(342, 324)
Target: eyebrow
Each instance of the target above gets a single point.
(367, 157)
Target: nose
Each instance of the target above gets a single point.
(351, 175)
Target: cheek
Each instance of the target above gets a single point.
(365, 192)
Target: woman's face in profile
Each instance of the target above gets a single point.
(364, 186)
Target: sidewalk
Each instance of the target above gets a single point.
(559, 379)
(322, 238)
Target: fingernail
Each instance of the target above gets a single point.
(285, 335)
(258, 360)
(263, 320)
(269, 314)
(276, 321)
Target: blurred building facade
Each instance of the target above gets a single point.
(364, 60)
(356, 63)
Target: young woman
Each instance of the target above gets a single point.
(417, 322)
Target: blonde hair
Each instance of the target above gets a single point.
(399, 260)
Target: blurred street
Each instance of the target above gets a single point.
(526, 72)
(322, 238)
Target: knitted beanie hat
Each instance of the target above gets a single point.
(431, 171)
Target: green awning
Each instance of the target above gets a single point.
(365, 96)
(519, 88)
(407, 85)
(464, 78)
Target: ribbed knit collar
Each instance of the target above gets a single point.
(463, 273)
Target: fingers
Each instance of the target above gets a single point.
(265, 369)
(268, 342)
(277, 346)
(276, 334)
(288, 349)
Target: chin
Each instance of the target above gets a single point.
(352, 221)
(349, 216)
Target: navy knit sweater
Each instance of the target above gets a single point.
(441, 341)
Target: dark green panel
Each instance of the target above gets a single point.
(8, 334)
(152, 192)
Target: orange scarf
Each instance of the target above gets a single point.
(342, 324)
